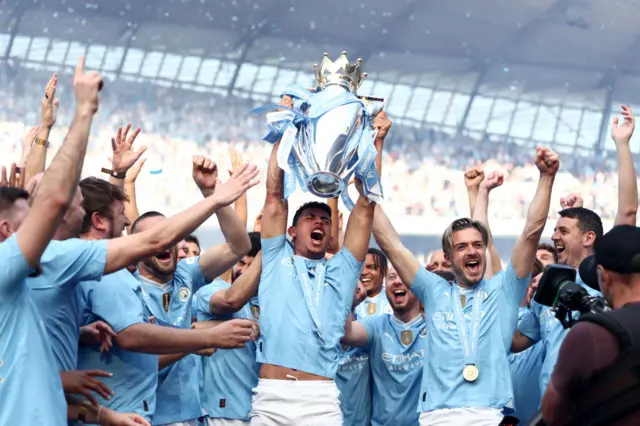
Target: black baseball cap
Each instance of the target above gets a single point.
(618, 251)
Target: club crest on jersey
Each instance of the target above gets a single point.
(166, 301)
(423, 333)
(406, 337)
(184, 294)
(463, 300)
(372, 308)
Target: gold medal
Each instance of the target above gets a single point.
(470, 373)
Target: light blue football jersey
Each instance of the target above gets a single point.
(442, 383)
(30, 387)
(178, 396)
(541, 324)
(526, 367)
(397, 352)
(373, 306)
(230, 375)
(287, 326)
(354, 383)
(135, 375)
(64, 265)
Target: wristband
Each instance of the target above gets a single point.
(41, 142)
(114, 174)
(82, 414)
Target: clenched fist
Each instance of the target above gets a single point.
(547, 161)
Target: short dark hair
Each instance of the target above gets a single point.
(460, 225)
(311, 205)
(192, 239)
(9, 195)
(256, 244)
(98, 197)
(588, 220)
(447, 275)
(549, 248)
(380, 260)
(142, 217)
(537, 268)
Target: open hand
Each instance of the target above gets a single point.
(621, 133)
(123, 154)
(238, 184)
(98, 333)
(84, 383)
(112, 418)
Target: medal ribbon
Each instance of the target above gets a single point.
(312, 296)
(468, 337)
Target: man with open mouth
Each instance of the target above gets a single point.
(470, 322)
(396, 345)
(372, 278)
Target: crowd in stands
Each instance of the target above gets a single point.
(177, 124)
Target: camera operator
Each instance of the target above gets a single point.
(595, 380)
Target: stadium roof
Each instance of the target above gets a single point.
(542, 44)
(577, 57)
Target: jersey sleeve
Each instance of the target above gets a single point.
(203, 298)
(529, 325)
(513, 287)
(423, 284)
(271, 248)
(345, 270)
(14, 268)
(190, 272)
(74, 261)
(115, 301)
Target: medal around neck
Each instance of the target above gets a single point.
(327, 136)
(470, 373)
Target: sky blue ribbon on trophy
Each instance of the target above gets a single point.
(312, 291)
(468, 336)
(284, 126)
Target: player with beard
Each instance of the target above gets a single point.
(466, 377)
(167, 288)
(396, 345)
(372, 278)
(231, 375)
(115, 301)
(304, 302)
(354, 376)
(574, 238)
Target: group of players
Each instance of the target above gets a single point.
(288, 325)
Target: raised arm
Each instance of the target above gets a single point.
(359, 225)
(276, 208)
(131, 205)
(389, 242)
(231, 300)
(481, 214)
(526, 246)
(241, 204)
(60, 181)
(221, 257)
(335, 226)
(130, 249)
(627, 183)
(37, 158)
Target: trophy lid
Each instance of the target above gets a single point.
(340, 71)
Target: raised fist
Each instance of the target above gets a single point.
(473, 177)
(493, 180)
(547, 161)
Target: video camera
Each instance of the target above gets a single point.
(558, 289)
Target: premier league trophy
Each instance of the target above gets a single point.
(327, 136)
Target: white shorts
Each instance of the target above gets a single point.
(225, 422)
(296, 403)
(193, 422)
(477, 416)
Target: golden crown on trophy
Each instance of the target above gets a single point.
(341, 71)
